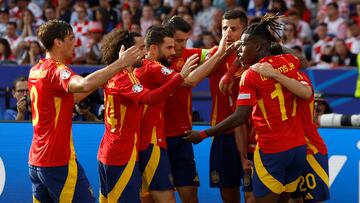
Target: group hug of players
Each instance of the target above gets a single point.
(263, 128)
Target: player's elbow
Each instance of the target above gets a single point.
(189, 83)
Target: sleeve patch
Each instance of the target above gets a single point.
(166, 71)
(137, 88)
(65, 74)
(244, 96)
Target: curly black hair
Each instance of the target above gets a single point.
(111, 44)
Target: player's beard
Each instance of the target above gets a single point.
(164, 61)
(138, 64)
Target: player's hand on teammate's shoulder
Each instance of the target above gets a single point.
(189, 65)
(193, 136)
(264, 69)
(130, 55)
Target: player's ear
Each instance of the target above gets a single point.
(258, 47)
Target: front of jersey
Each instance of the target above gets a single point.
(122, 95)
(178, 106)
(222, 105)
(153, 75)
(52, 109)
(276, 121)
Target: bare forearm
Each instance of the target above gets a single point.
(294, 86)
(205, 69)
(241, 138)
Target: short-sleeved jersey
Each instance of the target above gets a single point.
(122, 118)
(52, 108)
(222, 105)
(275, 117)
(153, 75)
(314, 143)
(178, 106)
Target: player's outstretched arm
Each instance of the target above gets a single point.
(79, 84)
(211, 64)
(235, 119)
(296, 87)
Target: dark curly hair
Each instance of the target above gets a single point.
(111, 44)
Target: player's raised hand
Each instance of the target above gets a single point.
(193, 136)
(130, 56)
(189, 65)
(264, 69)
(222, 43)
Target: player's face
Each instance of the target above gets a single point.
(139, 43)
(233, 28)
(246, 52)
(180, 39)
(165, 51)
(68, 46)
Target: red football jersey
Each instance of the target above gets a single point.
(222, 105)
(276, 121)
(122, 118)
(153, 75)
(178, 106)
(52, 110)
(315, 144)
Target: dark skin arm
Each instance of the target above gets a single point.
(240, 115)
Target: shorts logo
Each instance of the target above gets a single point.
(64, 74)
(215, 178)
(137, 88)
(244, 96)
(247, 180)
(166, 71)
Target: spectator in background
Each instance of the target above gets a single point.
(215, 26)
(84, 112)
(63, 10)
(160, 10)
(135, 27)
(195, 36)
(134, 7)
(290, 37)
(259, 9)
(33, 54)
(50, 13)
(342, 55)
(112, 15)
(323, 40)
(81, 24)
(103, 16)
(205, 17)
(12, 37)
(147, 18)
(207, 41)
(356, 17)
(94, 55)
(4, 19)
(279, 6)
(353, 41)
(126, 20)
(303, 12)
(303, 29)
(27, 25)
(6, 56)
(182, 11)
(22, 5)
(22, 110)
(75, 15)
(336, 24)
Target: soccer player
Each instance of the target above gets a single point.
(314, 182)
(55, 174)
(178, 116)
(225, 163)
(280, 153)
(153, 159)
(120, 177)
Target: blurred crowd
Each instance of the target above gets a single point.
(327, 32)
